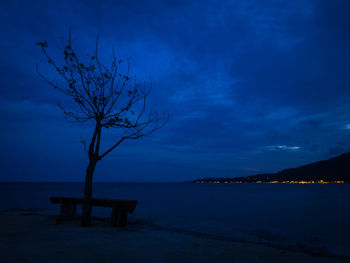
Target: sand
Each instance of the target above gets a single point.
(37, 238)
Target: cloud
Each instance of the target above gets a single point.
(282, 148)
(347, 126)
(236, 76)
(27, 110)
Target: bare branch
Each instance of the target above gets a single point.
(112, 148)
(83, 142)
(107, 95)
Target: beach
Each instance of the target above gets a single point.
(31, 237)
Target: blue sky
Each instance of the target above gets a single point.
(251, 86)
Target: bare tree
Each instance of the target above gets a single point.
(106, 95)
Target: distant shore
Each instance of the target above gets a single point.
(32, 237)
(333, 171)
(226, 181)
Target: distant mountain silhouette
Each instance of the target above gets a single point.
(334, 169)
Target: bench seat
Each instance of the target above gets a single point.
(120, 208)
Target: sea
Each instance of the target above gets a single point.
(311, 217)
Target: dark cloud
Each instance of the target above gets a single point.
(250, 85)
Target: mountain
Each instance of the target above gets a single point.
(333, 170)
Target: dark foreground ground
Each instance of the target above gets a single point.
(37, 238)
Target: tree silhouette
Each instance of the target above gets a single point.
(106, 95)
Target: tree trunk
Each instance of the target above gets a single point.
(86, 211)
(93, 158)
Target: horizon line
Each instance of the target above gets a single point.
(20, 181)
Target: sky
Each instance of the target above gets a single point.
(251, 86)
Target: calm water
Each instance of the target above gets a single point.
(317, 215)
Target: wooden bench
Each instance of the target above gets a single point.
(120, 208)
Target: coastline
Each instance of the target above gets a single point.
(34, 237)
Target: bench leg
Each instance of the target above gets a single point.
(123, 219)
(68, 211)
(119, 217)
(115, 216)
